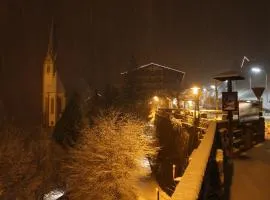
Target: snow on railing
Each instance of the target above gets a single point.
(160, 195)
(190, 185)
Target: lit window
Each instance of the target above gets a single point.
(52, 105)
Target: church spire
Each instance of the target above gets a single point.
(51, 42)
(51, 51)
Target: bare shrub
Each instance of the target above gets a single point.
(26, 167)
(106, 162)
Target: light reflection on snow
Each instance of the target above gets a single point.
(53, 195)
(145, 163)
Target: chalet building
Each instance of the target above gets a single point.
(53, 93)
(153, 79)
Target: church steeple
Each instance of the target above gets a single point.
(51, 45)
(51, 51)
(53, 99)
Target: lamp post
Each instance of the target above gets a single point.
(243, 61)
(258, 70)
(196, 93)
(254, 70)
(215, 87)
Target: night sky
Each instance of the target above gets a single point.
(96, 40)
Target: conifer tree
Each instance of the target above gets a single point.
(68, 127)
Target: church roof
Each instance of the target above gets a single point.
(60, 86)
(155, 64)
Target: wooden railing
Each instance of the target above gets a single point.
(207, 159)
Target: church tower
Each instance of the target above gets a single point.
(53, 94)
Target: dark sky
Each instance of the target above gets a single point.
(96, 40)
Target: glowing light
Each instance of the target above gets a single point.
(195, 90)
(256, 70)
(151, 125)
(145, 163)
(155, 98)
(53, 195)
(212, 86)
(204, 89)
(248, 101)
(174, 101)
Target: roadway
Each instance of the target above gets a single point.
(251, 174)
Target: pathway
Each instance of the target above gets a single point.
(251, 176)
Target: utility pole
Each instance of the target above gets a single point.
(216, 100)
(230, 119)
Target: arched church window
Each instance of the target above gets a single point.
(48, 69)
(52, 105)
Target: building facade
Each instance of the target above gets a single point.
(153, 79)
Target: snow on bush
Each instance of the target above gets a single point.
(26, 170)
(106, 162)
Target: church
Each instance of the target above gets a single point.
(53, 93)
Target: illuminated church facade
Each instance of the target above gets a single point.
(53, 93)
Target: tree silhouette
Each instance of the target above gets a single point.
(67, 129)
(110, 95)
(129, 87)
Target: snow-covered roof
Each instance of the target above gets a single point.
(155, 64)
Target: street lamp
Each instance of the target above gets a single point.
(195, 90)
(175, 102)
(215, 87)
(156, 99)
(243, 61)
(196, 93)
(154, 106)
(257, 70)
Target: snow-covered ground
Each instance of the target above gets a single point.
(53, 195)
